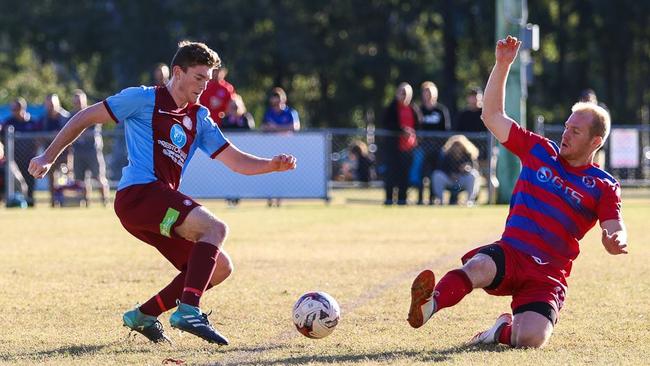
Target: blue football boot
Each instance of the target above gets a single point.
(147, 325)
(190, 319)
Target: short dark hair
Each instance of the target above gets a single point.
(279, 92)
(195, 53)
(475, 91)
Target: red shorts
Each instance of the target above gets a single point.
(524, 279)
(151, 212)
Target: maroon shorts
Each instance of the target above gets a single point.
(527, 281)
(151, 212)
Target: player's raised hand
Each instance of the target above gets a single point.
(506, 50)
(613, 243)
(39, 166)
(283, 162)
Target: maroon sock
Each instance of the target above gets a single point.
(166, 298)
(452, 288)
(506, 335)
(200, 268)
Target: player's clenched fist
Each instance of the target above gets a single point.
(283, 162)
(39, 166)
(506, 49)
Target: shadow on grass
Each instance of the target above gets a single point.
(248, 356)
(74, 351)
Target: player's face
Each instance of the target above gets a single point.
(194, 81)
(577, 140)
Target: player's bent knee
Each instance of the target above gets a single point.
(480, 269)
(531, 340)
(223, 270)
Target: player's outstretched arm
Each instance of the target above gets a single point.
(245, 163)
(96, 113)
(614, 236)
(493, 114)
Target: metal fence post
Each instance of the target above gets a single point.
(9, 178)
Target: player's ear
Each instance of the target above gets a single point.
(597, 142)
(176, 71)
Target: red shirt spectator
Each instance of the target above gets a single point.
(216, 97)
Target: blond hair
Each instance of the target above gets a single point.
(429, 85)
(463, 143)
(600, 122)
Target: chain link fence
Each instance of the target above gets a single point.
(359, 158)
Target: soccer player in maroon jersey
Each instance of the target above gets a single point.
(558, 197)
(164, 126)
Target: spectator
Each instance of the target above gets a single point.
(400, 119)
(589, 96)
(54, 119)
(24, 147)
(358, 166)
(469, 119)
(217, 94)
(237, 118)
(88, 156)
(279, 116)
(160, 75)
(434, 117)
(458, 169)
(55, 116)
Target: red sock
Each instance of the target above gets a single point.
(506, 334)
(200, 268)
(166, 298)
(452, 288)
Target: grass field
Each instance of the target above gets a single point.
(67, 275)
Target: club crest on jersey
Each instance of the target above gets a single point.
(187, 122)
(544, 174)
(589, 181)
(177, 135)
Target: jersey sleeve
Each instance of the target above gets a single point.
(127, 103)
(520, 140)
(609, 205)
(210, 138)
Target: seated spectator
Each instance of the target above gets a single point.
(279, 116)
(237, 118)
(359, 164)
(469, 119)
(458, 170)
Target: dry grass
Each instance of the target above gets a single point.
(67, 275)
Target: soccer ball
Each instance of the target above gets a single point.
(316, 314)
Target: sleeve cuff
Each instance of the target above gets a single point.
(110, 112)
(222, 148)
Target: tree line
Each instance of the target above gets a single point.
(339, 60)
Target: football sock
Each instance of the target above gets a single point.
(200, 267)
(451, 289)
(166, 298)
(506, 335)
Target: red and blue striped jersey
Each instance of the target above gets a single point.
(553, 204)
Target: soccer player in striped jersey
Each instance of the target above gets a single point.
(164, 126)
(557, 199)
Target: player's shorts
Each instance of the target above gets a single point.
(151, 212)
(534, 287)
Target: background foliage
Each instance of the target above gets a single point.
(339, 60)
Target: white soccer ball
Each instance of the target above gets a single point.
(316, 314)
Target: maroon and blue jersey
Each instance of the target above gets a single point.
(553, 204)
(161, 137)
